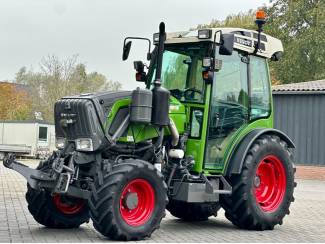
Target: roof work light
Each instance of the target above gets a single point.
(204, 34)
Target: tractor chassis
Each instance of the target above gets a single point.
(198, 192)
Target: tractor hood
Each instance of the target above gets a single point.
(83, 116)
(175, 106)
(103, 101)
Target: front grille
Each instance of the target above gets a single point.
(86, 114)
(77, 118)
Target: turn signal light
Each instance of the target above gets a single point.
(138, 76)
(141, 76)
(205, 75)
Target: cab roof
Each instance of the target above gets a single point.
(245, 40)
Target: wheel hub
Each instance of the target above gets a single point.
(270, 183)
(257, 181)
(131, 200)
(137, 202)
(68, 205)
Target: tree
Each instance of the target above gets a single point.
(300, 24)
(15, 103)
(58, 78)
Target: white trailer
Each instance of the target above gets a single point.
(27, 138)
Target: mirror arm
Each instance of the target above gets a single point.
(214, 44)
(140, 38)
(214, 47)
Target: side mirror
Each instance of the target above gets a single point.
(226, 44)
(126, 50)
(277, 56)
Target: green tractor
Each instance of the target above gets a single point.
(199, 138)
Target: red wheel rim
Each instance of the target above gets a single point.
(270, 183)
(137, 202)
(68, 205)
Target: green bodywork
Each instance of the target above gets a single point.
(180, 113)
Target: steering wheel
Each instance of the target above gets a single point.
(192, 92)
(176, 93)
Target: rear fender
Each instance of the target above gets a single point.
(238, 155)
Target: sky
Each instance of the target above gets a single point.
(95, 30)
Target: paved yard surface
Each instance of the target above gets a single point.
(306, 223)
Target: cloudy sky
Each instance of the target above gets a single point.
(95, 29)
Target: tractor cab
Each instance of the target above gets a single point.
(221, 77)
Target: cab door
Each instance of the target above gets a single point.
(228, 108)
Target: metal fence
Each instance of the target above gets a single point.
(302, 117)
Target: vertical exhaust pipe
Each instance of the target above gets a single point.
(161, 47)
(160, 95)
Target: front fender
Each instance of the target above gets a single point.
(238, 155)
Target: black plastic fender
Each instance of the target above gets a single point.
(238, 155)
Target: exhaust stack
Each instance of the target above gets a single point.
(160, 95)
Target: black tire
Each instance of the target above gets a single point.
(105, 201)
(192, 211)
(42, 206)
(242, 207)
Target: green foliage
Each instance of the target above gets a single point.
(300, 24)
(14, 102)
(59, 78)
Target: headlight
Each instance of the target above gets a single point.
(155, 38)
(60, 142)
(84, 144)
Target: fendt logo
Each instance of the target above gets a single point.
(243, 41)
(67, 105)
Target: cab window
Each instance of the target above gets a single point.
(260, 88)
(182, 72)
(228, 109)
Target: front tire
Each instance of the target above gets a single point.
(263, 192)
(130, 202)
(55, 211)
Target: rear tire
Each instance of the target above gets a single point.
(130, 203)
(192, 211)
(263, 192)
(56, 211)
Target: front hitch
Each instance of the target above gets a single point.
(33, 176)
(54, 181)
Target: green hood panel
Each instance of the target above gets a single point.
(138, 132)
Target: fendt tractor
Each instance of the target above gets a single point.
(196, 138)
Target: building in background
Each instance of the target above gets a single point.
(299, 111)
(27, 138)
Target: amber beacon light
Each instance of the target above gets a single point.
(260, 15)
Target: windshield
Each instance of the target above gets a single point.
(182, 71)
